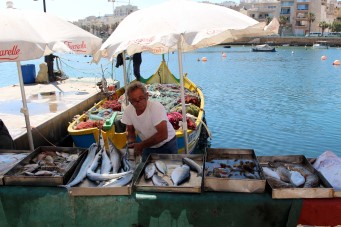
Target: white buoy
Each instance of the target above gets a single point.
(323, 58)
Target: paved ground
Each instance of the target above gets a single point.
(45, 101)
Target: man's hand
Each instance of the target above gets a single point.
(138, 149)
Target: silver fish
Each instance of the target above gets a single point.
(122, 181)
(85, 166)
(149, 171)
(193, 165)
(125, 161)
(115, 157)
(180, 174)
(44, 173)
(276, 183)
(283, 173)
(161, 166)
(91, 175)
(311, 180)
(103, 177)
(159, 181)
(106, 163)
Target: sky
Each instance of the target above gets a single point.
(73, 10)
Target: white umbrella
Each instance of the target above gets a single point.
(179, 25)
(27, 35)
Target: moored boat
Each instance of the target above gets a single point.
(263, 48)
(321, 45)
(161, 82)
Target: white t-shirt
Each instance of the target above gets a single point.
(145, 123)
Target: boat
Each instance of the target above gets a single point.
(320, 45)
(84, 137)
(263, 48)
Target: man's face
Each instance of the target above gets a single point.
(138, 99)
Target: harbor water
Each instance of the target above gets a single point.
(281, 103)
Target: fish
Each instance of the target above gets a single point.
(44, 173)
(106, 163)
(125, 161)
(149, 171)
(276, 183)
(119, 182)
(180, 174)
(271, 173)
(103, 177)
(283, 173)
(93, 176)
(161, 166)
(159, 181)
(115, 157)
(311, 180)
(85, 166)
(193, 165)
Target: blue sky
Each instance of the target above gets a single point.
(78, 9)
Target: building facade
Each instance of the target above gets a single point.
(296, 13)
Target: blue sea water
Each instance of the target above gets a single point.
(282, 103)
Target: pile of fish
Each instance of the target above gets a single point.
(290, 175)
(105, 170)
(48, 163)
(179, 175)
(232, 168)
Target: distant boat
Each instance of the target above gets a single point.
(320, 45)
(263, 48)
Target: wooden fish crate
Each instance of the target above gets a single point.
(5, 168)
(323, 190)
(337, 193)
(193, 185)
(13, 177)
(226, 184)
(89, 188)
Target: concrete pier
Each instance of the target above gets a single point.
(51, 107)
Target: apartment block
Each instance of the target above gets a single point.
(296, 11)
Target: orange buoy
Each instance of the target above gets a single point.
(336, 62)
(203, 59)
(323, 58)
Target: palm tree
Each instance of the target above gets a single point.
(268, 20)
(311, 18)
(323, 25)
(282, 23)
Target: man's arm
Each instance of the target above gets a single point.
(158, 137)
(130, 134)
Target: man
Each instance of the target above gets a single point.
(6, 141)
(149, 120)
(137, 60)
(50, 71)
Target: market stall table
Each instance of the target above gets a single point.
(42, 206)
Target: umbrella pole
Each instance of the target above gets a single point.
(183, 104)
(24, 109)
